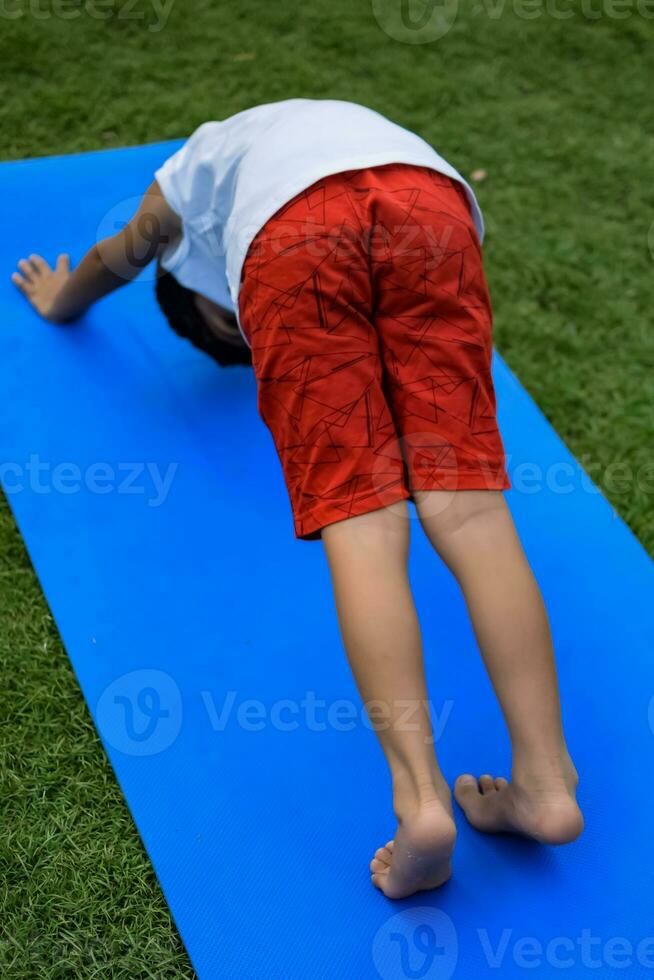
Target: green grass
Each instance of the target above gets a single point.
(78, 895)
(557, 111)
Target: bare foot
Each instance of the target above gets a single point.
(538, 805)
(419, 856)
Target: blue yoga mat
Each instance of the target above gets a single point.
(205, 641)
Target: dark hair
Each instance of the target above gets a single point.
(177, 303)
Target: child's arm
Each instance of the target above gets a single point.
(59, 294)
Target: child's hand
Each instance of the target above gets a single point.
(41, 284)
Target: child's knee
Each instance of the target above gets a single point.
(444, 513)
(386, 528)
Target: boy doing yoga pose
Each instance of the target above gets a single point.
(340, 255)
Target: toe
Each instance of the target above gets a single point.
(383, 855)
(487, 784)
(466, 779)
(466, 786)
(501, 782)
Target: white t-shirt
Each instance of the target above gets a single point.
(230, 177)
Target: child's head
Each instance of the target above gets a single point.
(208, 326)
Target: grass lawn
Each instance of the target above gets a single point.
(556, 109)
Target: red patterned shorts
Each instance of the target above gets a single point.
(365, 303)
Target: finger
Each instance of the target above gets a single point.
(26, 268)
(39, 264)
(24, 286)
(63, 263)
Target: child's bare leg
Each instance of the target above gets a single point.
(474, 534)
(368, 560)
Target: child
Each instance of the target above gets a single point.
(341, 255)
